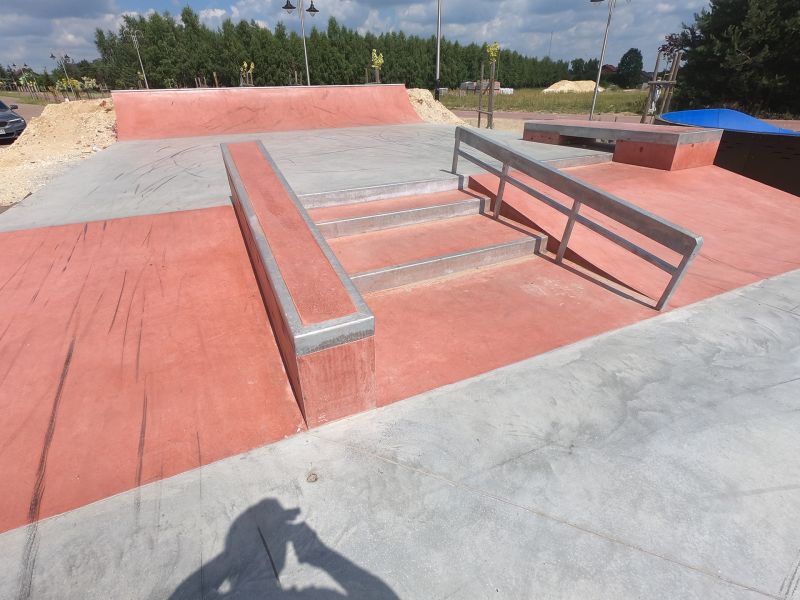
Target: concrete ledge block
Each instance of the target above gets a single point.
(323, 327)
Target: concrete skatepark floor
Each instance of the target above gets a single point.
(655, 460)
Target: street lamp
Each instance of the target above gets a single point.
(135, 34)
(62, 60)
(611, 4)
(311, 10)
(438, 46)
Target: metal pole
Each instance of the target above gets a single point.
(300, 8)
(136, 45)
(438, 46)
(69, 81)
(611, 4)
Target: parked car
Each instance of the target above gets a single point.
(11, 124)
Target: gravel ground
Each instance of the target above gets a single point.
(60, 136)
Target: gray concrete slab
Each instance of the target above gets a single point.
(149, 177)
(657, 461)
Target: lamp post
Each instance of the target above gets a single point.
(611, 4)
(135, 34)
(62, 60)
(438, 47)
(311, 10)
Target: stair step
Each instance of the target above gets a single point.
(440, 266)
(353, 219)
(393, 257)
(380, 192)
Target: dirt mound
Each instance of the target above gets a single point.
(571, 86)
(429, 109)
(63, 134)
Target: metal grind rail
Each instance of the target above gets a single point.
(669, 235)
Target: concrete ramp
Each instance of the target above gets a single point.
(161, 114)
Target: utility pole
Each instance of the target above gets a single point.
(611, 4)
(312, 10)
(134, 35)
(438, 47)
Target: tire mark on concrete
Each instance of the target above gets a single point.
(22, 265)
(31, 543)
(116, 309)
(128, 315)
(139, 345)
(137, 500)
(269, 555)
(789, 585)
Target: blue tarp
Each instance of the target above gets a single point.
(723, 118)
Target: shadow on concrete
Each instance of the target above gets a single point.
(255, 555)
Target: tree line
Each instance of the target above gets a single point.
(741, 53)
(177, 52)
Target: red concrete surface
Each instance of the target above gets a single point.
(130, 350)
(349, 211)
(159, 114)
(543, 137)
(750, 230)
(338, 381)
(316, 289)
(458, 327)
(331, 383)
(367, 251)
(667, 157)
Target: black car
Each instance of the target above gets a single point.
(11, 124)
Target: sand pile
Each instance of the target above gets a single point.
(429, 109)
(570, 86)
(62, 135)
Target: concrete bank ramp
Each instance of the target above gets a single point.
(161, 114)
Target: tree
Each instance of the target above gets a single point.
(742, 53)
(175, 52)
(629, 70)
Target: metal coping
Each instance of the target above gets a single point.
(650, 225)
(634, 135)
(305, 338)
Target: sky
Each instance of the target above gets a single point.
(31, 29)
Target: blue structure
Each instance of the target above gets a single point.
(723, 118)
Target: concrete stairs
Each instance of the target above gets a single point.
(385, 244)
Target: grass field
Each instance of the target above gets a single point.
(23, 98)
(533, 100)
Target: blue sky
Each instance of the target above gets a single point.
(31, 29)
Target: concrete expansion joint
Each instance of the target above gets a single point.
(548, 516)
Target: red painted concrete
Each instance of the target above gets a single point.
(459, 327)
(749, 229)
(338, 381)
(315, 287)
(667, 157)
(331, 383)
(349, 211)
(543, 137)
(367, 251)
(130, 350)
(159, 114)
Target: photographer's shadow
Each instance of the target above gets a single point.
(255, 555)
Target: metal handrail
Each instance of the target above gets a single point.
(669, 235)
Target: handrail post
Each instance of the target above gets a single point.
(676, 278)
(562, 247)
(456, 149)
(501, 188)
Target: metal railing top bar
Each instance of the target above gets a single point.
(669, 235)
